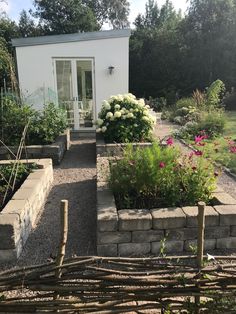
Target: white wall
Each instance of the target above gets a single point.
(35, 66)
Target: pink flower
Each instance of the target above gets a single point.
(233, 149)
(161, 164)
(170, 141)
(198, 153)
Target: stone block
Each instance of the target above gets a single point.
(219, 189)
(147, 236)
(233, 231)
(105, 197)
(113, 237)
(134, 219)
(133, 249)
(211, 216)
(227, 214)
(107, 250)
(107, 219)
(181, 234)
(168, 218)
(169, 247)
(9, 231)
(209, 244)
(223, 199)
(18, 207)
(226, 243)
(217, 232)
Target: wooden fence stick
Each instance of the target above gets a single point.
(200, 246)
(64, 234)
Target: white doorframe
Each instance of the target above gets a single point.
(75, 100)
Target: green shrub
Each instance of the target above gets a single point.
(186, 102)
(229, 100)
(213, 123)
(48, 125)
(44, 127)
(214, 94)
(159, 176)
(125, 119)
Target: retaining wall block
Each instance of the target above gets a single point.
(134, 219)
(226, 243)
(209, 244)
(113, 237)
(227, 214)
(133, 249)
(168, 218)
(147, 236)
(107, 250)
(169, 247)
(211, 216)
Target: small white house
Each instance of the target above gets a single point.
(77, 71)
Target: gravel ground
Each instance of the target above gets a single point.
(166, 129)
(74, 180)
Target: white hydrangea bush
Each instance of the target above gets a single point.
(125, 119)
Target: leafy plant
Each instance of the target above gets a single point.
(43, 128)
(159, 176)
(124, 118)
(215, 93)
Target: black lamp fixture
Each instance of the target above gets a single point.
(111, 69)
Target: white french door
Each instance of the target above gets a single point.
(75, 90)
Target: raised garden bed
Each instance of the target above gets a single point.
(114, 149)
(139, 232)
(54, 151)
(19, 215)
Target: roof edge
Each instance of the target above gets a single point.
(64, 38)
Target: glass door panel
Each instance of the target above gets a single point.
(65, 91)
(85, 92)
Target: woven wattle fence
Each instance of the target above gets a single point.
(91, 284)
(119, 285)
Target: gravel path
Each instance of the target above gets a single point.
(166, 129)
(74, 180)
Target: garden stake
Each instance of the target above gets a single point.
(64, 234)
(200, 245)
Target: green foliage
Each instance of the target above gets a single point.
(48, 125)
(185, 102)
(229, 100)
(44, 127)
(7, 172)
(214, 94)
(160, 177)
(213, 123)
(125, 119)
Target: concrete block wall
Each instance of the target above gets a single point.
(132, 232)
(54, 151)
(19, 215)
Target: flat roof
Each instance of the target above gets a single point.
(65, 38)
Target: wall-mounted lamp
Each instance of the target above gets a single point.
(111, 69)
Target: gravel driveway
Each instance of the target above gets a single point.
(74, 180)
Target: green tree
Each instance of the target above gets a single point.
(27, 27)
(8, 29)
(65, 16)
(114, 12)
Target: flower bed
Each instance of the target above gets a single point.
(129, 232)
(20, 213)
(54, 151)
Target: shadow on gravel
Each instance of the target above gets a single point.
(43, 241)
(79, 156)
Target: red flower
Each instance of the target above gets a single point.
(198, 139)
(194, 168)
(198, 153)
(161, 164)
(170, 141)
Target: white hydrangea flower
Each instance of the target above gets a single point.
(122, 111)
(146, 118)
(109, 115)
(106, 105)
(147, 107)
(130, 115)
(117, 114)
(141, 102)
(98, 130)
(117, 107)
(104, 128)
(135, 125)
(99, 122)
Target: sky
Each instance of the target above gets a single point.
(13, 7)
